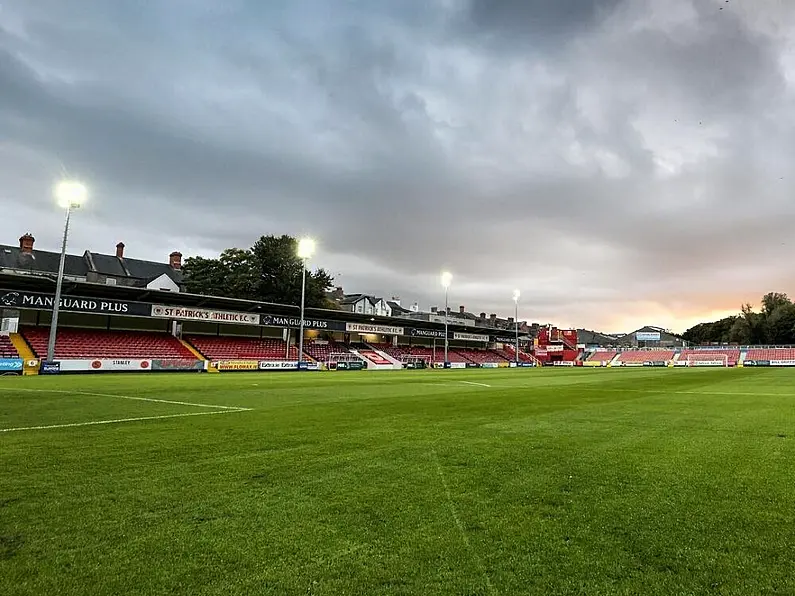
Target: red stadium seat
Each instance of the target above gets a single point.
(243, 348)
(7, 349)
(77, 344)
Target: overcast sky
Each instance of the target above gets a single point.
(622, 162)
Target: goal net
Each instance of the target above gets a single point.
(414, 361)
(707, 359)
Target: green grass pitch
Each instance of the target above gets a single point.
(592, 482)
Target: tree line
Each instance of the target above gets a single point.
(774, 324)
(269, 271)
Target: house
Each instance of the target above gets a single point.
(366, 304)
(93, 267)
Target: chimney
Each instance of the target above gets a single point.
(175, 260)
(433, 309)
(462, 309)
(120, 250)
(510, 320)
(396, 300)
(483, 316)
(26, 243)
(493, 318)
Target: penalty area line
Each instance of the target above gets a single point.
(152, 399)
(473, 383)
(117, 421)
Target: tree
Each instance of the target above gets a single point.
(270, 271)
(775, 324)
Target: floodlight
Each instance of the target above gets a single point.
(70, 194)
(447, 277)
(306, 248)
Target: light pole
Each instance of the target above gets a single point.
(447, 277)
(70, 195)
(516, 295)
(306, 248)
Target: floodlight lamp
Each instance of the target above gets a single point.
(516, 294)
(447, 277)
(70, 194)
(306, 248)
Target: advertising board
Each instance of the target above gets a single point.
(236, 365)
(50, 368)
(554, 348)
(565, 363)
(471, 337)
(10, 365)
(204, 314)
(433, 333)
(278, 365)
(707, 363)
(36, 301)
(177, 364)
(354, 365)
(782, 363)
(647, 336)
(365, 328)
(103, 365)
(491, 365)
(295, 322)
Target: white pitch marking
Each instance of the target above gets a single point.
(117, 421)
(473, 383)
(161, 401)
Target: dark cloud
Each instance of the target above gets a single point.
(606, 157)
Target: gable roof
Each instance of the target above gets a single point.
(41, 262)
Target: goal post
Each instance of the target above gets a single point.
(708, 359)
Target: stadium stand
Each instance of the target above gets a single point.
(483, 356)
(242, 348)
(374, 357)
(602, 356)
(771, 354)
(732, 355)
(320, 350)
(7, 349)
(640, 356)
(83, 343)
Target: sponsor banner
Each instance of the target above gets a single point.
(749, 363)
(236, 365)
(458, 364)
(565, 363)
(655, 363)
(355, 365)
(101, 365)
(204, 314)
(426, 333)
(295, 322)
(782, 363)
(470, 337)
(763, 363)
(364, 328)
(526, 364)
(554, 348)
(33, 300)
(491, 365)
(279, 365)
(707, 363)
(177, 364)
(505, 364)
(50, 368)
(647, 336)
(10, 364)
(593, 363)
(540, 352)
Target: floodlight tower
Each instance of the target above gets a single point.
(306, 248)
(516, 295)
(447, 278)
(70, 195)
